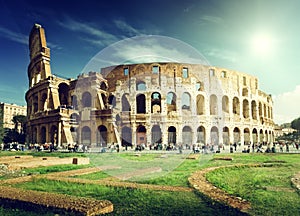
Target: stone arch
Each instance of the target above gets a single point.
(236, 106)
(141, 137)
(226, 136)
(34, 135)
(112, 100)
(254, 135)
(265, 110)
(200, 104)
(54, 135)
(140, 103)
(43, 102)
(125, 103)
(214, 135)
(260, 109)
(245, 92)
(103, 86)
(172, 135)
(246, 108)
(126, 136)
(63, 91)
(187, 135)
(236, 135)
(225, 104)
(266, 139)
(86, 136)
(261, 135)
(155, 102)
(43, 135)
(246, 136)
(186, 101)
(102, 138)
(86, 99)
(253, 110)
(171, 102)
(201, 135)
(35, 104)
(156, 135)
(213, 104)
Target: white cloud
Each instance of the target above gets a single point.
(88, 29)
(287, 106)
(221, 54)
(126, 28)
(13, 36)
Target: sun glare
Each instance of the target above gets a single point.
(262, 43)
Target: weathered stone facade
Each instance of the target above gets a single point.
(145, 103)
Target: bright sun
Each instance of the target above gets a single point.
(262, 43)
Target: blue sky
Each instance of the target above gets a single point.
(258, 37)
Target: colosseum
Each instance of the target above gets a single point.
(164, 103)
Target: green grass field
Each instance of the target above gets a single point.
(268, 188)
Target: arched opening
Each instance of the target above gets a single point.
(213, 105)
(141, 137)
(125, 103)
(260, 109)
(187, 136)
(43, 135)
(214, 136)
(226, 140)
(186, 101)
(236, 106)
(86, 135)
(245, 108)
(126, 136)
(261, 135)
(253, 110)
(140, 86)
(172, 135)
(265, 110)
(200, 105)
(63, 91)
(236, 135)
(103, 86)
(201, 135)
(225, 104)
(269, 115)
(35, 104)
(156, 135)
(171, 102)
(266, 136)
(155, 102)
(86, 99)
(112, 101)
(43, 102)
(34, 135)
(254, 136)
(102, 136)
(245, 92)
(140, 104)
(246, 136)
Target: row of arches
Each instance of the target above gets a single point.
(247, 108)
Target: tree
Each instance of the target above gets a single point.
(295, 124)
(19, 119)
(2, 130)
